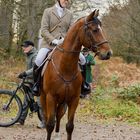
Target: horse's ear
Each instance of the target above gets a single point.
(95, 13)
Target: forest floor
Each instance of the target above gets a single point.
(91, 129)
(82, 131)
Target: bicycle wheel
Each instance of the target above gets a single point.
(9, 115)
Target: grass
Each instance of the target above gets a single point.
(105, 105)
(9, 69)
(107, 102)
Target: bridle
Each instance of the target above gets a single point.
(89, 34)
(95, 46)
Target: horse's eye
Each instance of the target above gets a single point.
(95, 30)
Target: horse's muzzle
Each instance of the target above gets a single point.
(105, 56)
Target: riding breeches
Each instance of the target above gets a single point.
(41, 56)
(43, 52)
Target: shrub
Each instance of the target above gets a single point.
(130, 93)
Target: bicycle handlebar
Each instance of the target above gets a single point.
(23, 81)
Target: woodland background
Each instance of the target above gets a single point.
(20, 20)
(117, 95)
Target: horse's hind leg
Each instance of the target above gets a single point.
(71, 111)
(61, 109)
(51, 107)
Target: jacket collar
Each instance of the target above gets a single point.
(56, 13)
(33, 50)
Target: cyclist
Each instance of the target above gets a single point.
(31, 53)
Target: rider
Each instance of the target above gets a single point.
(54, 26)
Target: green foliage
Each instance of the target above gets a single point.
(131, 93)
(108, 108)
(106, 105)
(124, 34)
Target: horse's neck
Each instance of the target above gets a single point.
(73, 47)
(68, 60)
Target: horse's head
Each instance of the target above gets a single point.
(93, 36)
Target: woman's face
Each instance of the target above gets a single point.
(64, 3)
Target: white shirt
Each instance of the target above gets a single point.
(82, 59)
(59, 9)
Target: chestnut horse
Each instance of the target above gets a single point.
(62, 79)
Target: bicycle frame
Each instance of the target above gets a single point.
(26, 89)
(14, 103)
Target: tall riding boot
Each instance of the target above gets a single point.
(37, 77)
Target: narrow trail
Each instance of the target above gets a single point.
(82, 131)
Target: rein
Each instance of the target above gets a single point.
(65, 51)
(97, 45)
(89, 34)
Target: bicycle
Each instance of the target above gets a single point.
(11, 104)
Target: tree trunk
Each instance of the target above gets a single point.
(6, 20)
(30, 18)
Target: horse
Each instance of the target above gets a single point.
(62, 79)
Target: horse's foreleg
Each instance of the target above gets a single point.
(51, 107)
(61, 109)
(71, 111)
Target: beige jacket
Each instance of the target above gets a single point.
(54, 27)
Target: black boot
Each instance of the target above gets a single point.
(83, 71)
(37, 77)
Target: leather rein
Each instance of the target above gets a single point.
(89, 34)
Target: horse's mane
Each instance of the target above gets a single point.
(80, 19)
(95, 20)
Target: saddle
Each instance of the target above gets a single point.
(44, 64)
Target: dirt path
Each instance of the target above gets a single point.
(82, 131)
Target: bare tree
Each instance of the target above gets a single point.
(30, 13)
(6, 20)
(122, 24)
